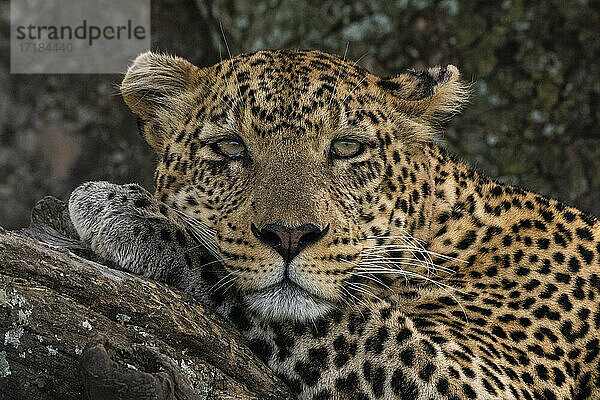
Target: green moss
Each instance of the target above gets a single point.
(13, 337)
(123, 318)
(4, 366)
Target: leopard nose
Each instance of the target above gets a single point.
(289, 242)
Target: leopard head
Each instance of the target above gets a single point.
(292, 159)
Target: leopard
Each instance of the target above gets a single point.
(356, 256)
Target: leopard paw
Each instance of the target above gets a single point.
(126, 225)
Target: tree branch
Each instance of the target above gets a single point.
(130, 335)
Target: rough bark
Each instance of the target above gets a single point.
(66, 321)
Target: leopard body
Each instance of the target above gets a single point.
(427, 280)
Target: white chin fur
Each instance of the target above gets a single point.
(286, 302)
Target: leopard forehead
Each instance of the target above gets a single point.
(286, 91)
(291, 93)
(288, 77)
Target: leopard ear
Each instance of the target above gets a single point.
(428, 95)
(157, 88)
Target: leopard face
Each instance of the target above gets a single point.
(286, 156)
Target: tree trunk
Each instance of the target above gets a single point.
(71, 329)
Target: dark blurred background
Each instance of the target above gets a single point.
(534, 118)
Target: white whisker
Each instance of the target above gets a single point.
(208, 263)
(231, 58)
(338, 75)
(353, 89)
(408, 261)
(231, 284)
(359, 288)
(378, 259)
(357, 300)
(443, 286)
(199, 231)
(215, 287)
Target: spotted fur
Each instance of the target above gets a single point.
(431, 282)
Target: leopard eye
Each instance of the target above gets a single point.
(346, 148)
(230, 148)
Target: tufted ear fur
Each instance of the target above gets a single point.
(156, 88)
(428, 95)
